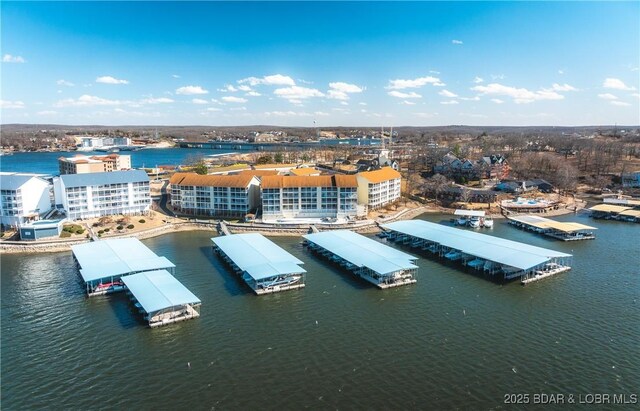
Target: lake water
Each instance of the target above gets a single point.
(453, 340)
(47, 163)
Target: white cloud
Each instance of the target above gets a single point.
(619, 103)
(321, 113)
(110, 80)
(497, 77)
(228, 87)
(65, 83)
(560, 71)
(47, 113)
(175, 76)
(11, 104)
(447, 93)
(199, 101)
(87, 101)
(400, 84)
(337, 95)
(562, 87)
(616, 84)
(474, 98)
(519, 95)
(497, 100)
(636, 95)
(607, 96)
(159, 100)
(456, 41)
(340, 90)
(287, 114)
(478, 80)
(400, 94)
(363, 104)
(8, 58)
(253, 94)
(244, 88)
(273, 80)
(297, 92)
(295, 101)
(238, 108)
(214, 109)
(450, 102)
(189, 90)
(408, 103)
(234, 99)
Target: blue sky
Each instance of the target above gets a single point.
(342, 64)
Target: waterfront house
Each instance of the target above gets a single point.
(25, 197)
(631, 180)
(94, 164)
(379, 187)
(523, 186)
(215, 195)
(309, 196)
(101, 194)
(494, 166)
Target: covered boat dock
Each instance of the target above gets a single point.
(495, 256)
(104, 263)
(616, 212)
(264, 266)
(371, 260)
(161, 298)
(555, 229)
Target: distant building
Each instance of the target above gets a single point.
(23, 198)
(523, 186)
(309, 196)
(382, 160)
(631, 180)
(101, 194)
(378, 188)
(494, 166)
(94, 164)
(215, 195)
(304, 171)
(41, 229)
(89, 143)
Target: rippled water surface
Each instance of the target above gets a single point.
(452, 340)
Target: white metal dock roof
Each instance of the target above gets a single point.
(158, 290)
(469, 213)
(106, 258)
(499, 250)
(258, 256)
(362, 251)
(542, 222)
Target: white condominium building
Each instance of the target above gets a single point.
(23, 197)
(214, 195)
(378, 188)
(309, 196)
(100, 194)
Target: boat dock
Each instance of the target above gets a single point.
(556, 229)
(368, 259)
(103, 263)
(264, 266)
(616, 212)
(160, 298)
(493, 255)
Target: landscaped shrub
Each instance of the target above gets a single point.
(119, 227)
(130, 226)
(141, 221)
(80, 231)
(106, 230)
(65, 234)
(100, 232)
(95, 224)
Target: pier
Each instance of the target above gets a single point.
(104, 263)
(160, 298)
(264, 266)
(556, 229)
(379, 264)
(500, 258)
(616, 212)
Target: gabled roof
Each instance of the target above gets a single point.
(13, 181)
(337, 180)
(98, 179)
(197, 180)
(305, 171)
(259, 173)
(378, 176)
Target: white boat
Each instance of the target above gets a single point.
(462, 221)
(474, 222)
(487, 222)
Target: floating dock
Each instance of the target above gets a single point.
(103, 263)
(264, 266)
(160, 298)
(556, 229)
(375, 262)
(616, 212)
(493, 255)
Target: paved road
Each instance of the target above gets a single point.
(163, 200)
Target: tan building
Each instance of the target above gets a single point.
(379, 187)
(94, 164)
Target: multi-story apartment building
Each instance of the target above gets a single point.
(309, 196)
(23, 197)
(215, 195)
(378, 188)
(100, 194)
(94, 164)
